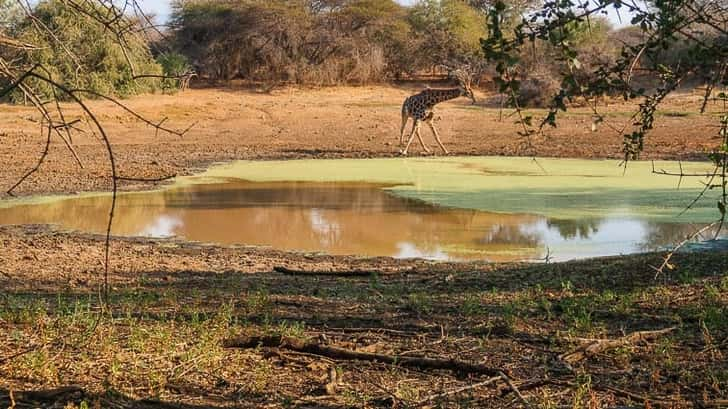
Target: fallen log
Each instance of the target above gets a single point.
(598, 346)
(40, 398)
(333, 273)
(718, 403)
(311, 346)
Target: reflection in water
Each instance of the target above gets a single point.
(510, 234)
(569, 229)
(329, 232)
(346, 219)
(162, 226)
(409, 250)
(665, 234)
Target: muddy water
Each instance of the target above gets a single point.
(347, 218)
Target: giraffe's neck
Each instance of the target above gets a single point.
(435, 96)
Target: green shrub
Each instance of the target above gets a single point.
(174, 65)
(83, 54)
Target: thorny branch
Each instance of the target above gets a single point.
(666, 259)
(720, 172)
(54, 122)
(662, 25)
(37, 102)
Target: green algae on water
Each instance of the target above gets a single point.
(559, 188)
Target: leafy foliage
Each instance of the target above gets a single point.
(9, 15)
(81, 54)
(174, 66)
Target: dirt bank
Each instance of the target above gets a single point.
(293, 123)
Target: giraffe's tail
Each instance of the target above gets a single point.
(405, 117)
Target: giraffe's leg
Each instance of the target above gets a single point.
(419, 136)
(437, 137)
(415, 128)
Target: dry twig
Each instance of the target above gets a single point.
(459, 390)
(600, 345)
(515, 390)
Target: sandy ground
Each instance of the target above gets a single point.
(229, 124)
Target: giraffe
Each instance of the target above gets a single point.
(419, 107)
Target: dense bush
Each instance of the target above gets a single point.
(537, 89)
(80, 54)
(277, 40)
(324, 42)
(174, 66)
(541, 65)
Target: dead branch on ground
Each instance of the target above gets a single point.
(147, 180)
(334, 273)
(40, 397)
(313, 347)
(515, 390)
(459, 390)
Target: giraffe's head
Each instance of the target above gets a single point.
(464, 81)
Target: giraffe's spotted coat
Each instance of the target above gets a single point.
(420, 106)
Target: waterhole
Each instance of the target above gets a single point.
(495, 209)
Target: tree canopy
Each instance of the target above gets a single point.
(67, 54)
(325, 42)
(672, 42)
